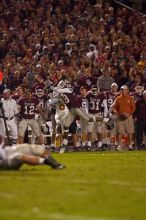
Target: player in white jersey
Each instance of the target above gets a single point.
(10, 111)
(65, 91)
(12, 158)
(61, 111)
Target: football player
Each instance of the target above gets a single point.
(97, 108)
(83, 123)
(42, 98)
(12, 158)
(108, 132)
(28, 106)
(65, 91)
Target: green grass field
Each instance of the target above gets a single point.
(94, 186)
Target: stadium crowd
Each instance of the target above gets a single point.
(95, 49)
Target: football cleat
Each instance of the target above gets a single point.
(62, 149)
(119, 148)
(131, 147)
(59, 167)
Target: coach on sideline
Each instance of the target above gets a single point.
(124, 107)
(140, 119)
(10, 111)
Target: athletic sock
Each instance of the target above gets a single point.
(65, 141)
(51, 162)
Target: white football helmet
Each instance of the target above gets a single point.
(39, 91)
(64, 84)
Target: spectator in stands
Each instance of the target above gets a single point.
(30, 35)
(105, 81)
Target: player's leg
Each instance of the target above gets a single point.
(99, 134)
(84, 128)
(120, 133)
(42, 152)
(35, 128)
(129, 124)
(53, 136)
(13, 130)
(21, 130)
(139, 134)
(82, 114)
(73, 132)
(91, 126)
(67, 122)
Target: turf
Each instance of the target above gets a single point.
(94, 186)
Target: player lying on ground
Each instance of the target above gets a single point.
(12, 158)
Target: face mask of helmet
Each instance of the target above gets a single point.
(39, 92)
(94, 91)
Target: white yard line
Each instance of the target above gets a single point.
(54, 216)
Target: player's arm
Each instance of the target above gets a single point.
(133, 106)
(104, 103)
(113, 107)
(61, 91)
(16, 110)
(41, 111)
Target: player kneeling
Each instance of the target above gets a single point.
(12, 158)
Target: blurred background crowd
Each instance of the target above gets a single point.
(80, 39)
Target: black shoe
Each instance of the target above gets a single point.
(143, 146)
(87, 148)
(58, 167)
(131, 147)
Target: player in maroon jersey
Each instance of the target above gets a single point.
(83, 124)
(65, 91)
(97, 108)
(110, 97)
(39, 81)
(42, 98)
(28, 106)
(40, 95)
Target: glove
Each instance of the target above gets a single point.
(122, 117)
(19, 116)
(52, 88)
